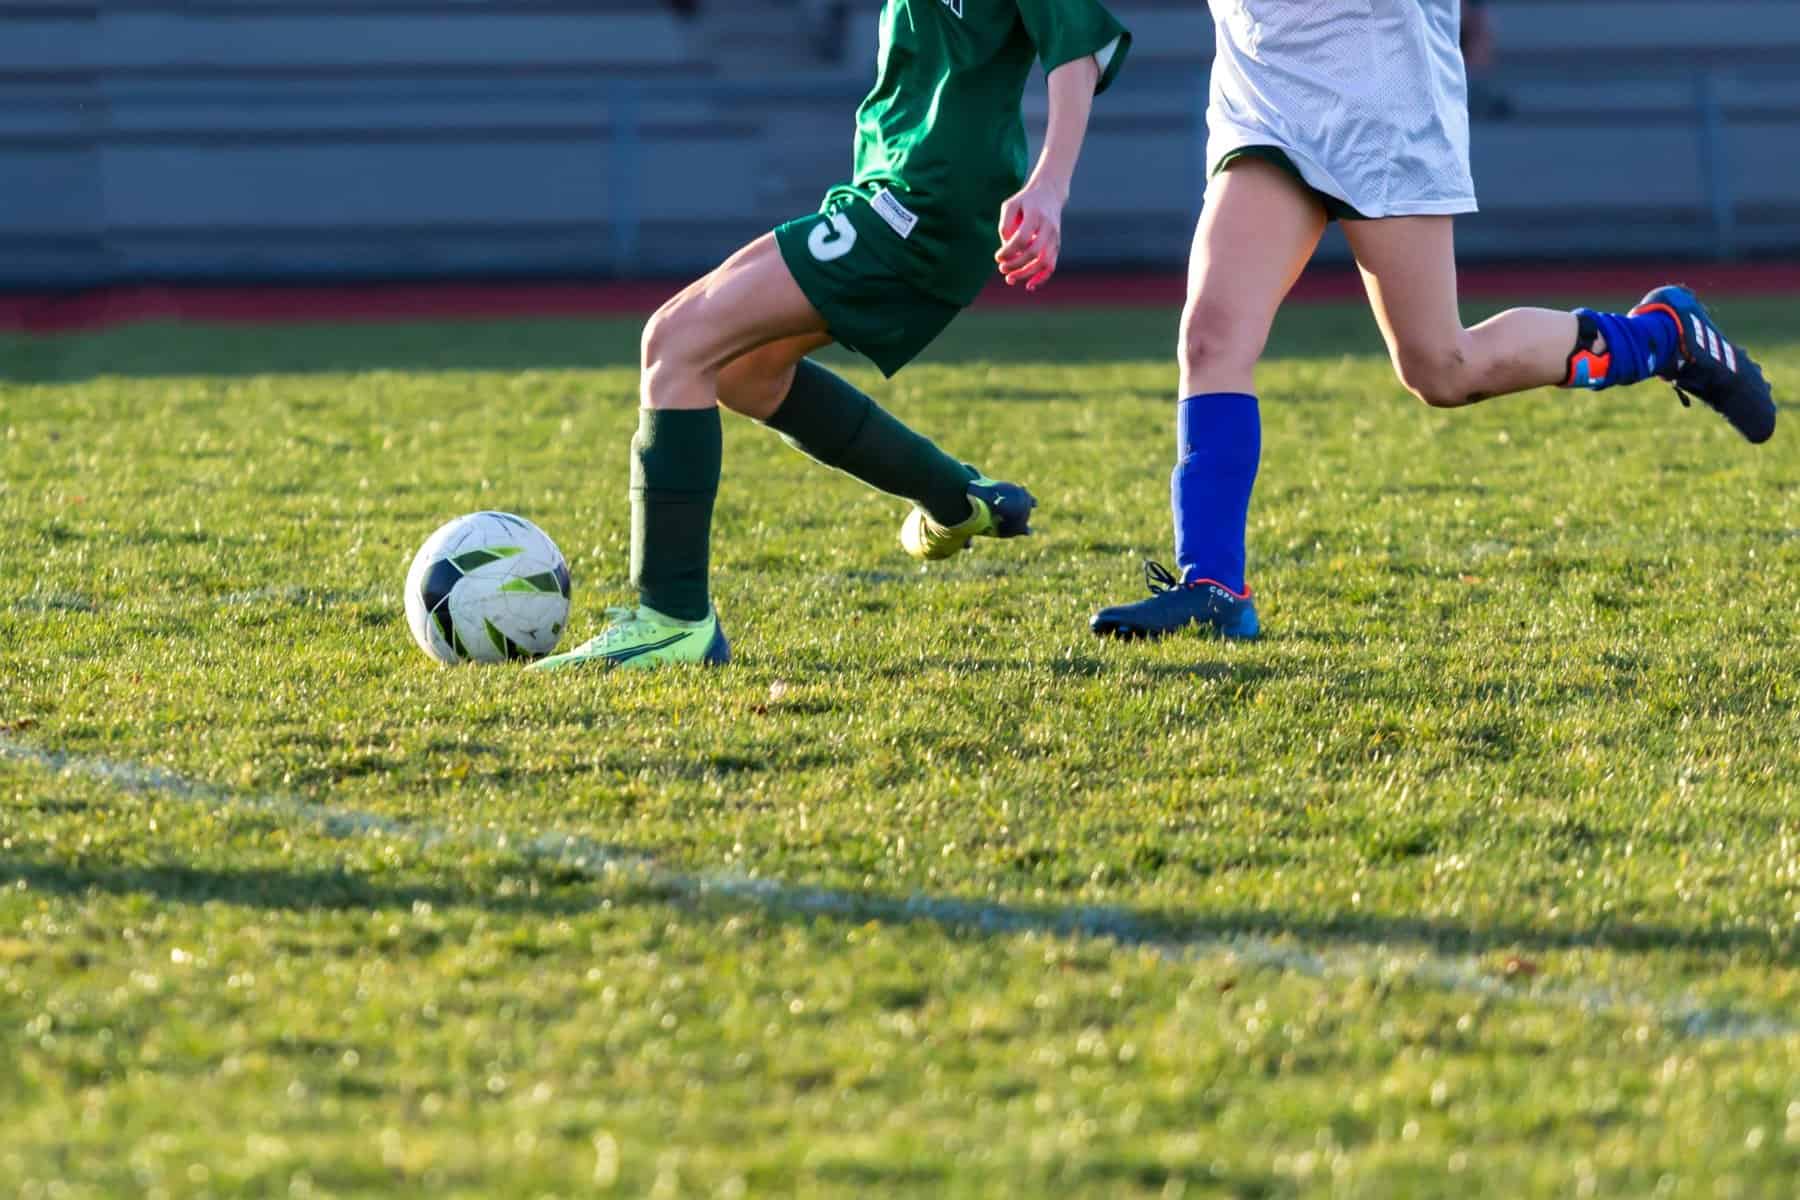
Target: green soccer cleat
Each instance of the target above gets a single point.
(642, 637)
(1002, 510)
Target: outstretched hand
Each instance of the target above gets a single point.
(1031, 235)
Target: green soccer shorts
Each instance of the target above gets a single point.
(868, 305)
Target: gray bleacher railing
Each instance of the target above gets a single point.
(1714, 170)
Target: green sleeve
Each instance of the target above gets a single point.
(1065, 30)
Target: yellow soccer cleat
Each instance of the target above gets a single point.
(1002, 510)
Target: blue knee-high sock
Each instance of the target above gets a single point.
(1219, 441)
(1636, 348)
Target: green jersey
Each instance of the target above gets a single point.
(940, 141)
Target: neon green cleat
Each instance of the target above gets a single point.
(1002, 510)
(642, 637)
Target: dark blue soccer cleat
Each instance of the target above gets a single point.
(1712, 368)
(1175, 604)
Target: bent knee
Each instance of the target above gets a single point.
(755, 384)
(667, 334)
(1438, 378)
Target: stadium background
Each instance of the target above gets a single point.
(257, 140)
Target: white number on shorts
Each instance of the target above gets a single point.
(833, 240)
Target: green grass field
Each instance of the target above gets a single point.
(1479, 875)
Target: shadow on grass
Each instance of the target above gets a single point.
(1275, 937)
(280, 889)
(563, 887)
(1076, 667)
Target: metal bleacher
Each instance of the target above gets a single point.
(294, 138)
(260, 138)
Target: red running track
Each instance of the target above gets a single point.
(101, 308)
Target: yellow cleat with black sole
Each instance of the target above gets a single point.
(1000, 510)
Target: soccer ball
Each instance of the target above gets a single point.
(489, 586)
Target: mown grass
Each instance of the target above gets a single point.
(1481, 873)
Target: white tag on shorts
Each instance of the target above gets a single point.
(899, 218)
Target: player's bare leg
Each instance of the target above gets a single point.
(1409, 268)
(747, 302)
(1256, 233)
(755, 383)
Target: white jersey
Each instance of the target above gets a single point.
(1367, 97)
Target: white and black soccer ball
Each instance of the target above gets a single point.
(487, 587)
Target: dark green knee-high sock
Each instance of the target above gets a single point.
(674, 477)
(826, 418)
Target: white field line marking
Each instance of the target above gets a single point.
(1457, 974)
